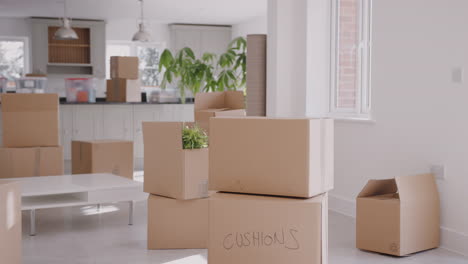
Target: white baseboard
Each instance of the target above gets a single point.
(451, 240)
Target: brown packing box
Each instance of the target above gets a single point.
(123, 90)
(170, 170)
(124, 67)
(398, 216)
(287, 157)
(207, 105)
(29, 162)
(252, 229)
(30, 120)
(100, 156)
(10, 222)
(177, 224)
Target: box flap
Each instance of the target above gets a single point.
(417, 188)
(378, 187)
(213, 100)
(29, 102)
(234, 100)
(169, 133)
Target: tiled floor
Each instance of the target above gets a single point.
(81, 235)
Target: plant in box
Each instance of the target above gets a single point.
(173, 169)
(194, 138)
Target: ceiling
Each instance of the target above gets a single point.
(170, 11)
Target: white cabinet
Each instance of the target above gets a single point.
(66, 129)
(91, 122)
(201, 39)
(117, 122)
(97, 49)
(87, 122)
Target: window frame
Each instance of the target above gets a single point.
(363, 107)
(134, 49)
(26, 54)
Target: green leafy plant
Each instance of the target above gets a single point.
(194, 138)
(208, 73)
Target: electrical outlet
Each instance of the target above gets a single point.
(439, 172)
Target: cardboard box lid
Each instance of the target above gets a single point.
(218, 100)
(29, 102)
(169, 134)
(409, 188)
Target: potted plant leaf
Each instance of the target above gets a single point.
(176, 160)
(208, 73)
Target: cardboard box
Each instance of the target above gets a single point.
(286, 157)
(29, 162)
(215, 104)
(30, 120)
(123, 90)
(103, 156)
(177, 224)
(170, 170)
(124, 67)
(398, 216)
(10, 222)
(252, 229)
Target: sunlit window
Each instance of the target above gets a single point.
(13, 58)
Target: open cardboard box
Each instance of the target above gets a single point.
(10, 222)
(170, 170)
(99, 156)
(272, 156)
(177, 224)
(253, 229)
(398, 216)
(29, 162)
(207, 105)
(30, 120)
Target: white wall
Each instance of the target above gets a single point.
(420, 114)
(256, 25)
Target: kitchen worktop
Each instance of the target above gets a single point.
(102, 101)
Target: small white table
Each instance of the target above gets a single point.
(77, 190)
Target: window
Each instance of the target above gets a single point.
(148, 55)
(351, 44)
(13, 58)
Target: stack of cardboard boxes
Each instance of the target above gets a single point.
(30, 136)
(177, 181)
(124, 85)
(273, 175)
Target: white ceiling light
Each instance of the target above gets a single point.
(141, 35)
(65, 32)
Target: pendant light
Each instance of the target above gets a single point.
(65, 32)
(141, 35)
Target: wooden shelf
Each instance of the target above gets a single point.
(69, 45)
(70, 64)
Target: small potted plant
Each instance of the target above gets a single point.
(175, 160)
(193, 137)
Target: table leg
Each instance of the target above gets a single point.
(130, 213)
(32, 222)
(98, 207)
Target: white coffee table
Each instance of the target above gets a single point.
(77, 190)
